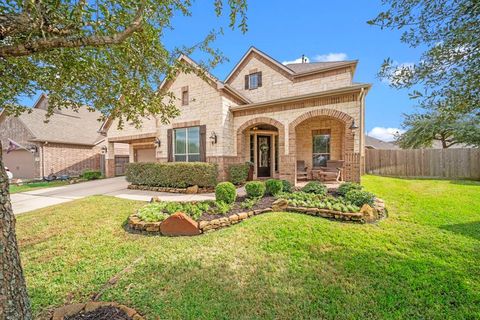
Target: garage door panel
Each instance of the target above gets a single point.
(21, 163)
(145, 155)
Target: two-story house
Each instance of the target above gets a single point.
(271, 114)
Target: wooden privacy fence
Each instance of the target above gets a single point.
(434, 163)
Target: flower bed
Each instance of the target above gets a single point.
(351, 203)
(95, 310)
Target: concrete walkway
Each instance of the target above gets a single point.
(117, 187)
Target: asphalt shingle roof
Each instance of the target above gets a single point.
(314, 66)
(65, 126)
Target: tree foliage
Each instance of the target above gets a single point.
(448, 128)
(448, 70)
(106, 54)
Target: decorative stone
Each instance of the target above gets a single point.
(233, 218)
(368, 213)
(242, 215)
(280, 205)
(155, 199)
(179, 224)
(203, 224)
(192, 190)
(93, 305)
(67, 311)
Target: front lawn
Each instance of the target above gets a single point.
(421, 262)
(35, 186)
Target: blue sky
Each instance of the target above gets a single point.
(287, 29)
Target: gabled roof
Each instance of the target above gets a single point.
(64, 126)
(375, 143)
(294, 70)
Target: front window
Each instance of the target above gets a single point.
(187, 144)
(321, 148)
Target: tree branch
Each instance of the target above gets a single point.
(41, 45)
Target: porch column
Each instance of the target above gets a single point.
(110, 160)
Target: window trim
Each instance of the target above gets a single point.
(187, 153)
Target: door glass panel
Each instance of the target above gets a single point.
(264, 150)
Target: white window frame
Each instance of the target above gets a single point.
(250, 77)
(187, 153)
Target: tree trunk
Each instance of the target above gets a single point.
(14, 303)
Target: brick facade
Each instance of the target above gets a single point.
(276, 104)
(59, 159)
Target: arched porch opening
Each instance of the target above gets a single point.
(262, 142)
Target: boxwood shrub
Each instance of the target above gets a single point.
(238, 173)
(255, 189)
(360, 197)
(347, 186)
(91, 175)
(287, 186)
(315, 187)
(173, 174)
(273, 186)
(225, 192)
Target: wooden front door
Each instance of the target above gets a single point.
(120, 165)
(264, 156)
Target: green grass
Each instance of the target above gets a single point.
(420, 263)
(35, 186)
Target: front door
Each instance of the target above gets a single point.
(264, 156)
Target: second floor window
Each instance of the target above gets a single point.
(186, 144)
(185, 96)
(253, 81)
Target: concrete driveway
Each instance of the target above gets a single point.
(117, 187)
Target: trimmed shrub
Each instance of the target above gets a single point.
(255, 189)
(347, 186)
(360, 197)
(287, 186)
(238, 173)
(173, 174)
(273, 186)
(225, 192)
(91, 175)
(315, 187)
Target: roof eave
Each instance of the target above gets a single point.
(301, 97)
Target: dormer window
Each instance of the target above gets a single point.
(253, 81)
(185, 96)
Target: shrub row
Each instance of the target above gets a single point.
(238, 173)
(91, 175)
(173, 175)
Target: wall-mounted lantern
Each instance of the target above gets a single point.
(213, 138)
(104, 149)
(353, 126)
(157, 142)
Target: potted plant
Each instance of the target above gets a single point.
(250, 170)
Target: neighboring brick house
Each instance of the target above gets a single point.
(69, 143)
(265, 112)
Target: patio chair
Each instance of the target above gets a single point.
(333, 171)
(302, 173)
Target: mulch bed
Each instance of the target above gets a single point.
(102, 313)
(263, 203)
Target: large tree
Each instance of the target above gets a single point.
(448, 128)
(106, 54)
(445, 82)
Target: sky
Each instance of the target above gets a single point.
(322, 30)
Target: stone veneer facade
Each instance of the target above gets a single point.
(294, 103)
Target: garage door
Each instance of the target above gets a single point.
(21, 163)
(145, 155)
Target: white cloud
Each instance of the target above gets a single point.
(330, 57)
(299, 60)
(397, 69)
(385, 134)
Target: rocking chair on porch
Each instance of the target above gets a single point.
(302, 173)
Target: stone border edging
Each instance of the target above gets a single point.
(366, 214)
(72, 309)
(189, 190)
